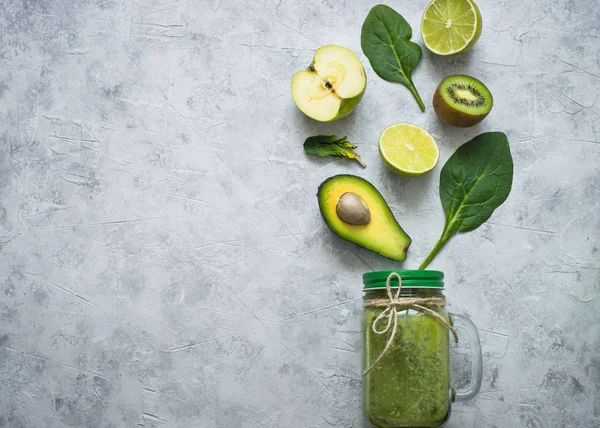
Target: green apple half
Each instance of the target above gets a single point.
(332, 86)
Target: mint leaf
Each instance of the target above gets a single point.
(330, 145)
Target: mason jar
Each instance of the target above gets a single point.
(407, 376)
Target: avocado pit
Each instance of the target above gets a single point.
(352, 209)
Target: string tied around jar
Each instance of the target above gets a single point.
(392, 305)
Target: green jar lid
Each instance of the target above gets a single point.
(410, 279)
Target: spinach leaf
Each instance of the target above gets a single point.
(330, 145)
(473, 183)
(385, 40)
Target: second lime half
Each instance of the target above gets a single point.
(408, 149)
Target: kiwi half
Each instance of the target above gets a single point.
(462, 101)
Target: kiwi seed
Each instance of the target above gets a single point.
(478, 102)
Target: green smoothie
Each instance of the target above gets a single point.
(410, 386)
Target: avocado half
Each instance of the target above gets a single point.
(382, 234)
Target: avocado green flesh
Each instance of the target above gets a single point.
(382, 235)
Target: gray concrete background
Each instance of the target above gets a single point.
(162, 258)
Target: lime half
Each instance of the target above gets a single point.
(408, 149)
(450, 27)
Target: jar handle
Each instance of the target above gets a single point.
(460, 321)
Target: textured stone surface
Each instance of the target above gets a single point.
(162, 258)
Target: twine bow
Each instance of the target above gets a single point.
(393, 304)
